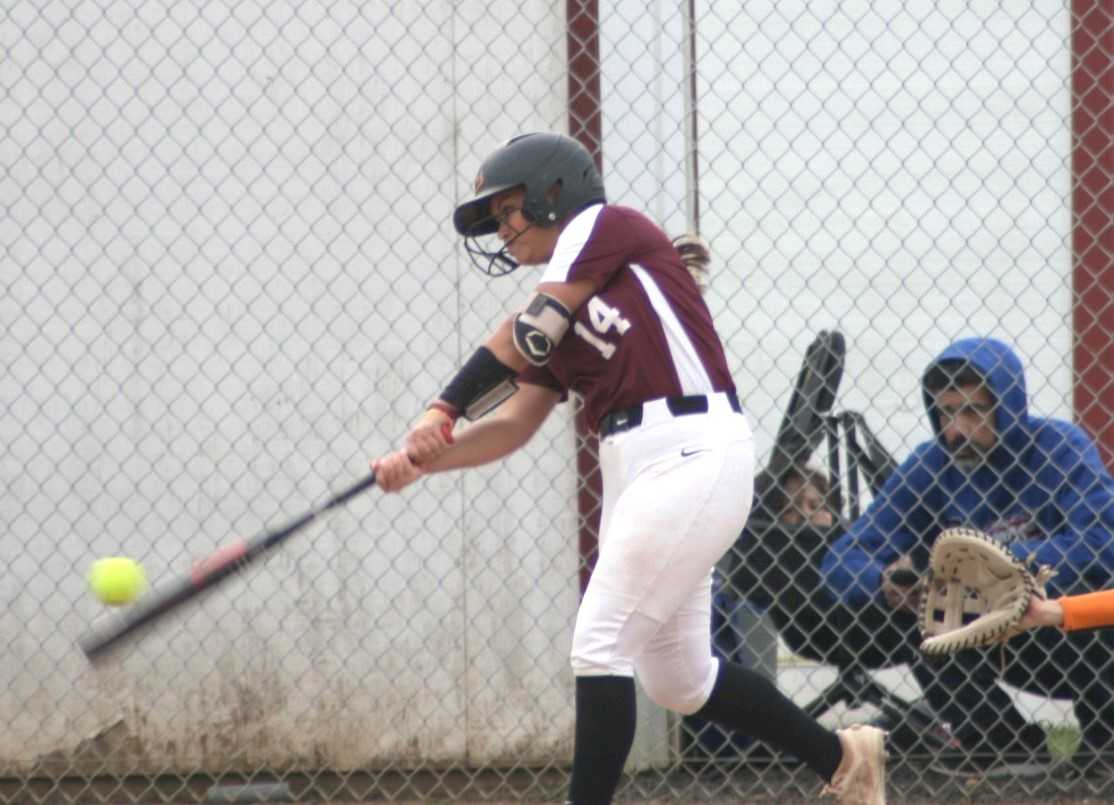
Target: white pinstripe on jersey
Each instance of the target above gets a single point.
(570, 244)
(686, 361)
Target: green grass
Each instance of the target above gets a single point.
(1062, 741)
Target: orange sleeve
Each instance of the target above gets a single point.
(1088, 611)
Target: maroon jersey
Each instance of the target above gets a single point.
(646, 333)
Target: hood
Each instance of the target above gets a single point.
(1005, 376)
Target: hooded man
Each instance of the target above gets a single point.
(1037, 485)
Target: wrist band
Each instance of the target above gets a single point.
(446, 409)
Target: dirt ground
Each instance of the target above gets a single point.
(908, 784)
(891, 800)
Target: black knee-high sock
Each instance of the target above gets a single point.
(605, 720)
(748, 702)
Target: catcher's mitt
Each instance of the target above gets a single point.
(975, 592)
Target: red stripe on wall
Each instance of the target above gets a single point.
(585, 125)
(1092, 199)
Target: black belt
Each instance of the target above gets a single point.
(627, 418)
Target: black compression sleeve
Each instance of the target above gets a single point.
(482, 374)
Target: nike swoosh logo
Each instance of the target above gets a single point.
(687, 451)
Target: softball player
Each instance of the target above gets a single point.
(618, 320)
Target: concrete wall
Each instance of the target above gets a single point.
(233, 280)
(900, 175)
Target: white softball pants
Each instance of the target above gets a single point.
(676, 494)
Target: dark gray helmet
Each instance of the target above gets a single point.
(558, 175)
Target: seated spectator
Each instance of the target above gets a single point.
(774, 569)
(1037, 485)
(777, 568)
(799, 496)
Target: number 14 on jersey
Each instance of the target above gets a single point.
(604, 319)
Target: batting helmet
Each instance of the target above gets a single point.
(558, 175)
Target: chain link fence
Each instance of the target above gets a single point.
(229, 279)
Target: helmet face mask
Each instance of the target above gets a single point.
(495, 262)
(556, 173)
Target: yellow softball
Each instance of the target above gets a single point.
(117, 580)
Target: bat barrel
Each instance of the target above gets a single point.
(100, 640)
(207, 572)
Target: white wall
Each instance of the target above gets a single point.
(901, 176)
(233, 281)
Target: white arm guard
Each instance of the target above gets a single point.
(540, 327)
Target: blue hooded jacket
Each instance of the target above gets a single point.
(1043, 490)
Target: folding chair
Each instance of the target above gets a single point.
(825, 632)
